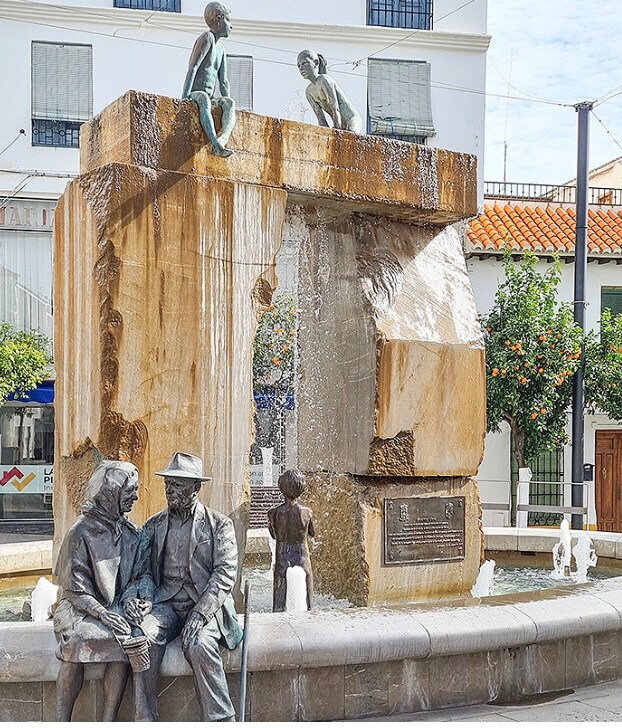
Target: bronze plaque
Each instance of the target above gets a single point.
(423, 529)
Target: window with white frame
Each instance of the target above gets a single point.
(399, 102)
(62, 92)
(240, 75)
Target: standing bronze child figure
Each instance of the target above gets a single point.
(207, 67)
(290, 524)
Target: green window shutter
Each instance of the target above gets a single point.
(611, 297)
(399, 99)
(62, 81)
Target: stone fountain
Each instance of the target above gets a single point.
(165, 256)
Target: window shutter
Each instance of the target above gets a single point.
(399, 98)
(240, 75)
(62, 81)
(611, 298)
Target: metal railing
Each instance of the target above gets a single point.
(415, 14)
(167, 6)
(563, 194)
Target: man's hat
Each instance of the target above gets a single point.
(183, 465)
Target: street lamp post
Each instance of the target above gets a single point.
(580, 266)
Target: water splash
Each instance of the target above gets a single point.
(562, 552)
(584, 556)
(42, 598)
(485, 582)
(296, 600)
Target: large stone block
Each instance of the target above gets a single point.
(355, 172)
(165, 256)
(391, 353)
(348, 556)
(155, 279)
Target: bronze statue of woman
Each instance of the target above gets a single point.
(97, 568)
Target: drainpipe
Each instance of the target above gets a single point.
(580, 266)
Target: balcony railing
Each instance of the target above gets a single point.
(412, 14)
(562, 194)
(167, 6)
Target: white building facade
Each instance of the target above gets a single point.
(414, 69)
(551, 485)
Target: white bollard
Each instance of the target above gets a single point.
(589, 499)
(522, 495)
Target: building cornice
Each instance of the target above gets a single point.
(120, 19)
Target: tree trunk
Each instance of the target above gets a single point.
(517, 440)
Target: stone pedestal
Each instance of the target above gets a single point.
(164, 258)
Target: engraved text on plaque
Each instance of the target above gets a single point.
(423, 529)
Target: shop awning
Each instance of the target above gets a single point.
(43, 394)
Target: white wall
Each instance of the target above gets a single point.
(448, 15)
(486, 275)
(153, 57)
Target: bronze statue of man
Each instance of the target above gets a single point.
(207, 67)
(193, 565)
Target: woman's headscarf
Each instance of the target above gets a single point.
(103, 494)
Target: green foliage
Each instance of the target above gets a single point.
(603, 367)
(275, 345)
(532, 350)
(24, 361)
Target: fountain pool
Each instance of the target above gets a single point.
(510, 577)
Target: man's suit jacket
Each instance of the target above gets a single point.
(213, 564)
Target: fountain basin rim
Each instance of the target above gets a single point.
(363, 635)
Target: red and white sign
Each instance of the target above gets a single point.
(26, 478)
(19, 214)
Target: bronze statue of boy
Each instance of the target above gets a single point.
(290, 524)
(207, 66)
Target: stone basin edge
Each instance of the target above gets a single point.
(364, 635)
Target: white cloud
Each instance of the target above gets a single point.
(559, 50)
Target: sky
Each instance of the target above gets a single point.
(557, 50)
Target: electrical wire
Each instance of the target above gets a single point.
(15, 191)
(8, 146)
(433, 84)
(600, 121)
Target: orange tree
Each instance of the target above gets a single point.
(603, 367)
(532, 351)
(24, 361)
(274, 349)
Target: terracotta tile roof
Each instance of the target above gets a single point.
(542, 230)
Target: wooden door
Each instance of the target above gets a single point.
(608, 480)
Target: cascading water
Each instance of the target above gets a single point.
(266, 465)
(296, 599)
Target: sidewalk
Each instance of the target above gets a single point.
(602, 703)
